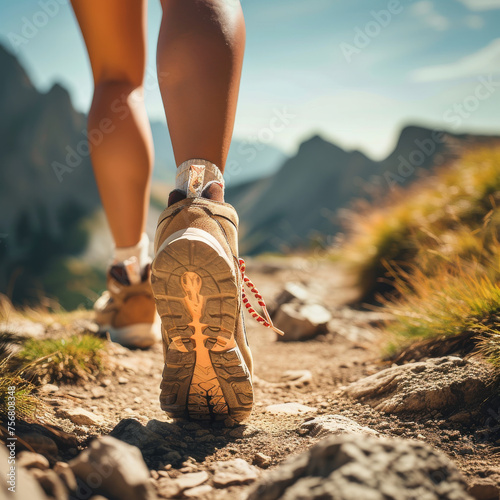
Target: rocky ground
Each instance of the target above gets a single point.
(332, 384)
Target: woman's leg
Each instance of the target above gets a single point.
(199, 59)
(115, 35)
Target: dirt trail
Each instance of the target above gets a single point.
(322, 365)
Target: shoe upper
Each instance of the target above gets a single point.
(124, 304)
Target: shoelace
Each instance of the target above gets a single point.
(267, 321)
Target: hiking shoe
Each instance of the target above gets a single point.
(126, 310)
(197, 284)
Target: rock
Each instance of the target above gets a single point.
(49, 388)
(122, 380)
(64, 471)
(198, 492)
(165, 429)
(439, 384)
(31, 460)
(233, 472)
(347, 467)
(51, 483)
(41, 444)
(292, 292)
(290, 408)
(295, 379)
(134, 433)
(261, 460)
(486, 488)
(301, 322)
(168, 487)
(114, 469)
(244, 431)
(335, 425)
(22, 483)
(98, 392)
(81, 416)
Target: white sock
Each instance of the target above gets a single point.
(193, 176)
(136, 257)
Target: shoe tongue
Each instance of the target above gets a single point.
(133, 270)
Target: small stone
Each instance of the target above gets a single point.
(335, 425)
(261, 460)
(198, 492)
(49, 388)
(292, 292)
(32, 460)
(64, 471)
(106, 382)
(233, 472)
(138, 400)
(98, 392)
(81, 416)
(51, 483)
(191, 479)
(122, 380)
(244, 431)
(134, 433)
(290, 408)
(484, 489)
(301, 322)
(297, 378)
(168, 487)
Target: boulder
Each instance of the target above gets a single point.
(347, 467)
(440, 384)
(233, 472)
(114, 469)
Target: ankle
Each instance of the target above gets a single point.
(197, 178)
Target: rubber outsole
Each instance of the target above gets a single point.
(205, 376)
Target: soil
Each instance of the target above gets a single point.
(352, 351)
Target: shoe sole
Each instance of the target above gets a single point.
(205, 376)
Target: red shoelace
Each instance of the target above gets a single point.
(267, 321)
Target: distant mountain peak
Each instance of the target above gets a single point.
(317, 142)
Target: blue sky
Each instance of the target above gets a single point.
(354, 71)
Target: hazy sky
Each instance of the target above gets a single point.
(341, 68)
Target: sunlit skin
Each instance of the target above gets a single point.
(199, 59)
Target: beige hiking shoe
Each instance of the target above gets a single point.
(127, 311)
(197, 284)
